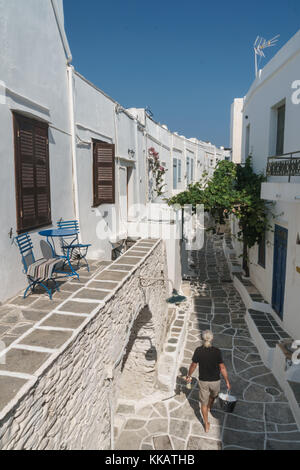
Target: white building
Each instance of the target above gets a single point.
(35, 122)
(270, 129)
(270, 134)
(236, 121)
(55, 128)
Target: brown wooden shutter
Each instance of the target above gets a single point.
(43, 210)
(104, 173)
(280, 130)
(32, 173)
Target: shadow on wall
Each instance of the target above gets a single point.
(144, 318)
(138, 369)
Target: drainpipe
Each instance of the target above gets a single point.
(117, 211)
(62, 32)
(147, 180)
(70, 70)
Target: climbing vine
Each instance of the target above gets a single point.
(233, 189)
(157, 170)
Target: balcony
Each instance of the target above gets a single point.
(287, 164)
(283, 178)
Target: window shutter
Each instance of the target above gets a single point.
(188, 170)
(32, 174)
(175, 169)
(104, 173)
(43, 210)
(179, 171)
(25, 187)
(192, 170)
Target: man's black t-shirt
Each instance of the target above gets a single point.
(208, 360)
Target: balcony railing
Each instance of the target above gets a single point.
(284, 165)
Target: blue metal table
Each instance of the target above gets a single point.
(61, 233)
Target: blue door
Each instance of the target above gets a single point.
(279, 269)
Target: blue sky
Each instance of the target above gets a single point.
(186, 60)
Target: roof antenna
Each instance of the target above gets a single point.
(259, 46)
(148, 111)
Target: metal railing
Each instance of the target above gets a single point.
(284, 165)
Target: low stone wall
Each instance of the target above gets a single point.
(69, 402)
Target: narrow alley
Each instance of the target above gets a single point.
(262, 418)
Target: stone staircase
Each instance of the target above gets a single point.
(176, 327)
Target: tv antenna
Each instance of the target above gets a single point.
(259, 46)
(148, 111)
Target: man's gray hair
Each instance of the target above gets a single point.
(207, 336)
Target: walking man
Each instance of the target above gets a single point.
(210, 364)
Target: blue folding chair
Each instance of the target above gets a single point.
(71, 248)
(38, 272)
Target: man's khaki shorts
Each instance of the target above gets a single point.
(207, 389)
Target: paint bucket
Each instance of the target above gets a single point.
(227, 402)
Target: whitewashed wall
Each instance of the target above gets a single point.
(94, 119)
(33, 69)
(273, 86)
(71, 402)
(236, 125)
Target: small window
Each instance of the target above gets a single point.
(280, 130)
(188, 176)
(179, 171)
(192, 170)
(247, 142)
(104, 173)
(32, 173)
(175, 176)
(262, 252)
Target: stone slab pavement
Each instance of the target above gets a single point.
(262, 418)
(18, 315)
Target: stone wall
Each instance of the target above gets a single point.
(69, 405)
(138, 370)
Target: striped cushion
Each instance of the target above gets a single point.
(42, 269)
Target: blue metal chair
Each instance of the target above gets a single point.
(73, 250)
(38, 272)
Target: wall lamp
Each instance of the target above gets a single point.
(131, 153)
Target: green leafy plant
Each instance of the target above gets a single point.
(233, 189)
(158, 171)
(251, 211)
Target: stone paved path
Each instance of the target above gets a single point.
(262, 418)
(18, 315)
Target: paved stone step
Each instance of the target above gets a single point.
(262, 417)
(162, 443)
